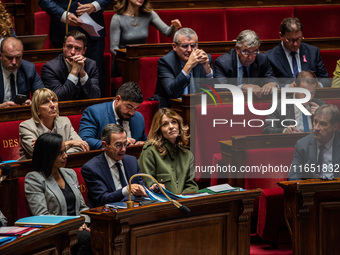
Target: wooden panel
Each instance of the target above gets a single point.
(171, 234)
(312, 210)
(227, 215)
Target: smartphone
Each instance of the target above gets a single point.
(20, 99)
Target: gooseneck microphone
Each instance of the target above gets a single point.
(130, 203)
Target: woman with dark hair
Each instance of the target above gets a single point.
(166, 156)
(130, 24)
(53, 189)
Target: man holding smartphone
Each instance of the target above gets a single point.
(18, 77)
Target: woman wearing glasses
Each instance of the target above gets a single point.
(130, 24)
(52, 189)
(45, 119)
(166, 156)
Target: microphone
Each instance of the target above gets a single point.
(6, 169)
(130, 203)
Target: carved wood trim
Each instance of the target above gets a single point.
(306, 201)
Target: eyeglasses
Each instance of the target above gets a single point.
(119, 146)
(291, 40)
(186, 46)
(247, 53)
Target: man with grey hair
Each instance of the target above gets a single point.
(292, 56)
(244, 65)
(17, 76)
(107, 175)
(177, 69)
(317, 155)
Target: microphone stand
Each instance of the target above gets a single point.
(68, 8)
(130, 203)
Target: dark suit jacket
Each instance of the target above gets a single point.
(226, 67)
(272, 127)
(28, 80)
(306, 154)
(56, 8)
(99, 182)
(54, 75)
(96, 117)
(171, 82)
(310, 61)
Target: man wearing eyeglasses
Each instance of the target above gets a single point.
(292, 56)
(122, 111)
(177, 69)
(107, 175)
(245, 66)
(71, 75)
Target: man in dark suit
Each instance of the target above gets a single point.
(107, 175)
(318, 154)
(123, 111)
(177, 70)
(57, 10)
(70, 75)
(245, 66)
(292, 56)
(17, 76)
(278, 123)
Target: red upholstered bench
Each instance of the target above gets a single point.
(148, 76)
(264, 21)
(319, 21)
(82, 184)
(42, 26)
(38, 67)
(148, 110)
(329, 59)
(209, 24)
(9, 137)
(75, 120)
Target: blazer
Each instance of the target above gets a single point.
(96, 117)
(99, 181)
(277, 127)
(310, 59)
(306, 154)
(56, 8)
(54, 75)
(30, 130)
(44, 196)
(171, 82)
(28, 80)
(226, 67)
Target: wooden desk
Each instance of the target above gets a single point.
(312, 209)
(128, 58)
(41, 56)
(217, 224)
(57, 239)
(66, 108)
(234, 150)
(190, 101)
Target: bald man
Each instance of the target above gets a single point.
(17, 76)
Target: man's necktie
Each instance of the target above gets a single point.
(320, 160)
(295, 66)
(12, 81)
(245, 75)
(121, 175)
(305, 123)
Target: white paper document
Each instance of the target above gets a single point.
(222, 187)
(89, 25)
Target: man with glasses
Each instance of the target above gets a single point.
(245, 66)
(107, 175)
(292, 56)
(122, 111)
(177, 69)
(71, 75)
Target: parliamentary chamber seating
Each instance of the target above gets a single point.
(316, 21)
